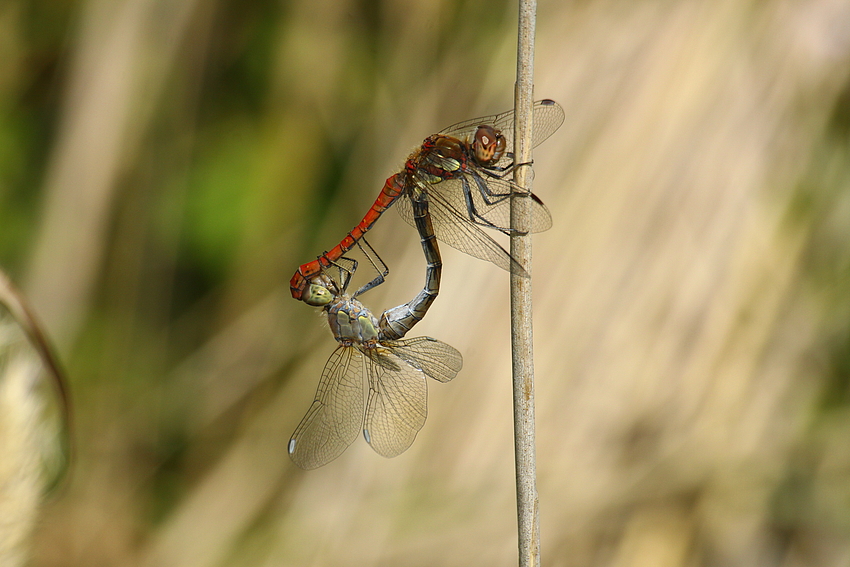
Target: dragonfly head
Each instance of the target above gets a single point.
(318, 292)
(316, 295)
(488, 145)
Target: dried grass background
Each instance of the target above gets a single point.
(167, 165)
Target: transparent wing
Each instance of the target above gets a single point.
(489, 201)
(436, 359)
(336, 415)
(397, 406)
(548, 117)
(497, 212)
(398, 393)
(453, 227)
(34, 402)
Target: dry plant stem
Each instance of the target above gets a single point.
(521, 337)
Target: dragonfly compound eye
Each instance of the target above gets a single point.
(317, 295)
(488, 145)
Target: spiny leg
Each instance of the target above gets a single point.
(346, 266)
(377, 264)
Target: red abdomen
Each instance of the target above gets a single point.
(393, 187)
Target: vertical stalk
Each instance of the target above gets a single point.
(521, 320)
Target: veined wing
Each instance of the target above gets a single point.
(498, 210)
(436, 359)
(495, 208)
(548, 117)
(398, 393)
(453, 227)
(397, 405)
(336, 415)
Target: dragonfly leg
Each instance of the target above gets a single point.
(346, 266)
(517, 188)
(490, 198)
(500, 172)
(377, 264)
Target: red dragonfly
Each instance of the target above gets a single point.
(461, 172)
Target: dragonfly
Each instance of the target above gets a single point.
(322, 290)
(371, 351)
(462, 171)
(373, 382)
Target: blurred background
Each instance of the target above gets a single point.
(165, 166)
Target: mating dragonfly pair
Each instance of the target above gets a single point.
(451, 188)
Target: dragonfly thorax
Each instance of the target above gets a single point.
(351, 322)
(439, 158)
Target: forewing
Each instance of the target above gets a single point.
(548, 117)
(498, 212)
(496, 208)
(336, 415)
(461, 130)
(453, 227)
(435, 358)
(397, 406)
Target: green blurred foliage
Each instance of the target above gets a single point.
(33, 40)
